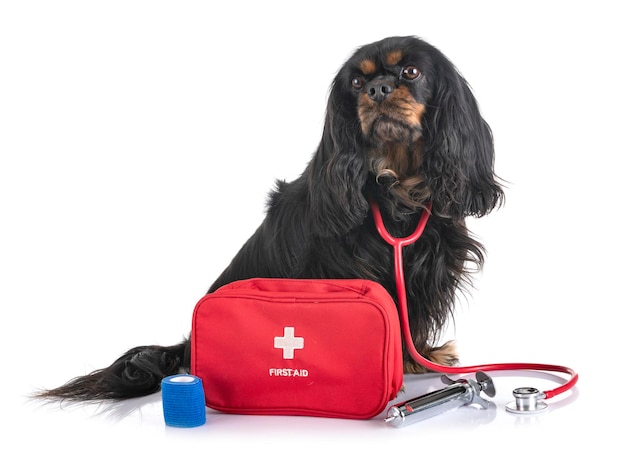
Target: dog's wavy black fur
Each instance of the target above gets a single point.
(402, 127)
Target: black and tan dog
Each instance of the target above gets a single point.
(402, 127)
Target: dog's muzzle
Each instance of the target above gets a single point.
(388, 111)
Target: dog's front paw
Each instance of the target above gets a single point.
(443, 355)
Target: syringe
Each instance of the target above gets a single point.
(458, 393)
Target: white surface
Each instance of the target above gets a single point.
(138, 141)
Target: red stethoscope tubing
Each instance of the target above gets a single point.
(398, 244)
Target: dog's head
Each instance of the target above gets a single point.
(399, 111)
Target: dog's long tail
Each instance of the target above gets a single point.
(136, 373)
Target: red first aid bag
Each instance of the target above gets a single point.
(326, 348)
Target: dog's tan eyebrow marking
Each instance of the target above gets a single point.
(393, 57)
(367, 67)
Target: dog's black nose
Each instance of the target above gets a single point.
(379, 89)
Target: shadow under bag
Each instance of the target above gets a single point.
(298, 347)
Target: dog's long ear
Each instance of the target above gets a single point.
(337, 173)
(459, 154)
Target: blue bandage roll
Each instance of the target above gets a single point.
(183, 401)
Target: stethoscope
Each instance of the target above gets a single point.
(527, 400)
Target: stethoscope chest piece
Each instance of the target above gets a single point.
(527, 401)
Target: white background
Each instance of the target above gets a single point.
(139, 139)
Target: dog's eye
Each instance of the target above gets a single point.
(357, 83)
(410, 72)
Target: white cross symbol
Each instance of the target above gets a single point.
(288, 343)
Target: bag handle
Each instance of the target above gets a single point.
(308, 286)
